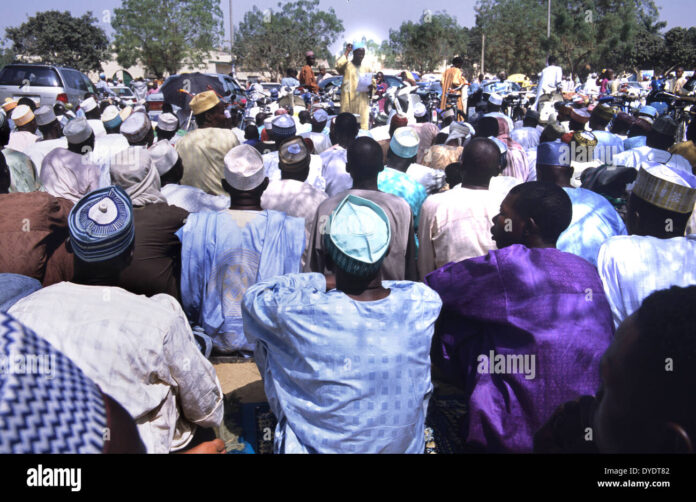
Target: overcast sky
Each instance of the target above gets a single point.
(360, 17)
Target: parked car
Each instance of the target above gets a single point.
(336, 81)
(153, 104)
(125, 94)
(45, 84)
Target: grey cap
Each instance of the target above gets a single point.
(44, 115)
(77, 130)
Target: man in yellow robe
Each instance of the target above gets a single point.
(353, 101)
(451, 79)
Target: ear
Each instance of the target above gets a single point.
(674, 439)
(529, 228)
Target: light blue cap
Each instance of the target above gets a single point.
(649, 111)
(358, 236)
(404, 142)
(358, 44)
(554, 153)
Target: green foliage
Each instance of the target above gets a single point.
(278, 39)
(6, 56)
(61, 39)
(680, 46)
(164, 34)
(427, 44)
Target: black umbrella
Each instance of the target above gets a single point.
(179, 89)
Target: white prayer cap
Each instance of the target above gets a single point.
(404, 143)
(44, 115)
(666, 187)
(163, 156)
(419, 110)
(244, 168)
(77, 130)
(110, 116)
(88, 104)
(136, 127)
(22, 115)
(168, 122)
(140, 108)
(268, 123)
(495, 99)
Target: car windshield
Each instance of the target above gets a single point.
(34, 76)
(124, 91)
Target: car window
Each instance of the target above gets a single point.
(88, 83)
(124, 91)
(73, 80)
(31, 75)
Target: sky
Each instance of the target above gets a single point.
(360, 17)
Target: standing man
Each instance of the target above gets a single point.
(353, 101)
(451, 80)
(307, 79)
(551, 76)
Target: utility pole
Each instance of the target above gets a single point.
(231, 29)
(483, 53)
(548, 21)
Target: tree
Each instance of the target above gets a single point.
(164, 34)
(680, 45)
(275, 40)
(425, 45)
(6, 56)
(58, 38)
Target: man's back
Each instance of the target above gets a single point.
(369, 387)
(636, 156)
(456, 225)
(632, 267)
(202, 152)
(400, 263)
(139, 350)
(521, 330)
(225, 252)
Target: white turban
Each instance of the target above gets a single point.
(133, 170)
(68, 175)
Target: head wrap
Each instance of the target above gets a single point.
(244, 168)
(126, 112)
(553, 153)
(168, 122)
(203, 101)
(358, 236)
(447, 113)
(53, 409)
(163, 156)
(88, 105)
(293, 155)
(68, 175)
(459, 131)
(132, 170)
(309, 54)
(44, 115)
(404, 143)
(283, 126)
(136, 127)
(398, 120)
(77, 131)
(666, 187)
(22, 115)
(101, 225)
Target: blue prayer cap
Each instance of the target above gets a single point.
(283, 126)
(553, 153)
(358, 236)
(404, 142)
(101, 225)
(648, 111)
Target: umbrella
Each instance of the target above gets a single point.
(179, 89)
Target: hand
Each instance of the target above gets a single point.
(349, 49)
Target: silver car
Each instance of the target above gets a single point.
(45, 84)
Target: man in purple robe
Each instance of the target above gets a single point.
(523, 328)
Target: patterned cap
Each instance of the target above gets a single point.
(495, 99)
(293, 155)
(203, 101)
(47, 404)
(358, 236)
(666, 187)
(77, 130)
(283, 126)
(101, 225)
(136, 127)
(665, 125)
(44, 115)
(404, 143)
(603, 112)
(244, 168)
(320, 116)
(22, 115)
(9, 105)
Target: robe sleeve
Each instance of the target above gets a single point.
(341, 64)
